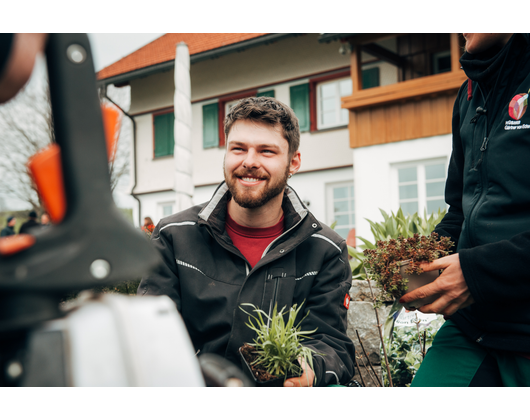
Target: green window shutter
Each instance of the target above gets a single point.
(164, 134)
(210, 125)
(269, 93)
(300, 104)
(370, 77)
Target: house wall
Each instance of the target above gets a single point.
(326, 154)
(268, 66)
(376, 179)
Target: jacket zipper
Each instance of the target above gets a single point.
(284, 233)
(481, 168)
(274, 294)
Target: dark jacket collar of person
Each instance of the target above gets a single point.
(215, 212)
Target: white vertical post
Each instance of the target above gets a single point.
(183, 152)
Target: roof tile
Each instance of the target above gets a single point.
(163, 49)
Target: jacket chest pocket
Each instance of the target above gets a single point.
(278, 290)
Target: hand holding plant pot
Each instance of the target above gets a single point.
(277, 353)
(396, 264)
(450, 289)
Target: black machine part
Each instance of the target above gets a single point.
(94, 244)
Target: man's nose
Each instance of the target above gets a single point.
(251, 159)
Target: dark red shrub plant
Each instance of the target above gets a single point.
(384, 262)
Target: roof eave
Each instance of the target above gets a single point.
(333, 37)
(195, 58)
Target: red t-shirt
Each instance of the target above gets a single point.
(252, 241)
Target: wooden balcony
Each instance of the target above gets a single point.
(403, 111)
(416, 89)
(411, 109)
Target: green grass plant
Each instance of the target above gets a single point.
(278, 343)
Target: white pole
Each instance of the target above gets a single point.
(183, 153)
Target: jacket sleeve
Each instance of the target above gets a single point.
(498, 272)
(451, 224)
(333, 361)
(164, 280)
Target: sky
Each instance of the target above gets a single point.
(107, 48)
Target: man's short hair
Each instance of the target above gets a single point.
(268, 111)
(32, 214)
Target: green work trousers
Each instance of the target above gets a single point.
(457, 361)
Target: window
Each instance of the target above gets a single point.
(299, 98)
(341, 207)
(269, 93)
(371, 78)
(165, 209)
(213, 116)
(164, 134)
(329, 93)
(441, 62)
(329, 112)
(210, 125)
(421, 186)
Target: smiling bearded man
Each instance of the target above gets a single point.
(249, 197)
(256, 242)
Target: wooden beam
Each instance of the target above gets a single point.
(384, 54)
(437, 84)
(456, 52)
(355, 68)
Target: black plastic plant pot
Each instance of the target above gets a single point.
(416, 281)
(277, 382)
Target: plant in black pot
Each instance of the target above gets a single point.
(395, 265)
(276, 351)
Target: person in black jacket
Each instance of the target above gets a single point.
(9, 230)
(485, 286)
(255, 242)
(31, 223)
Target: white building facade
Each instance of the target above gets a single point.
(340, 181)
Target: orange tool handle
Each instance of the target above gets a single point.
(46, 171)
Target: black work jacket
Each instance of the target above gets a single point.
(488, 191)
(209, 278)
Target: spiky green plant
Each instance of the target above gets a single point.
(278, 343)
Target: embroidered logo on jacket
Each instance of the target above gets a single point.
(518, 105)
(347, 301)
(516, 110)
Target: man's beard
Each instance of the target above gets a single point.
(249, 200)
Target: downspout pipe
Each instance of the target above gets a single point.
(104, 95)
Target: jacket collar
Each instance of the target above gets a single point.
(484, 67)
(214, 213)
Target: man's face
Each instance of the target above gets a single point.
(477, 43)
(257, 163)
(45, 219)
(12, 222)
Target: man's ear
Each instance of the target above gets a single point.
(296, 162)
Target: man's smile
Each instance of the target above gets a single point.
(250, 180)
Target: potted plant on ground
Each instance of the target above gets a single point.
(276, 351)
(395, 265)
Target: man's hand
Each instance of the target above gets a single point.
(451, 285)
(306, 379)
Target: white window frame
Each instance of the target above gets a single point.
(338, 123)
(160, 208)
(330, 208)
(229, 105)
(421, 181)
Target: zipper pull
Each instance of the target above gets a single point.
(484, 145)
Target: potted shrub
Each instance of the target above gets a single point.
(273, 356)
(395, 265)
